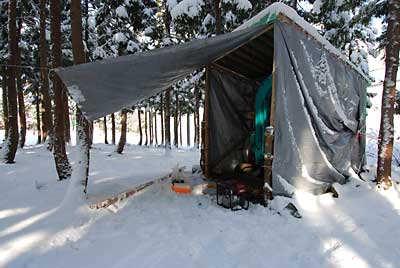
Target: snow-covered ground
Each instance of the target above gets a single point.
(157, 228)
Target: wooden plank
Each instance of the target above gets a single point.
(226, 69)
(106, 202)
(272, 116)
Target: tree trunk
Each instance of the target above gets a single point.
(67, 128)
(145, 126)
(112, 129)
(140, 126)
(176, 122)
(122, 139)
(82, 125)
(11, 142)
(60, 154)
(386, 132)
(167, 24)
(155, 127)
(5, 100)
(38, 125)
(47, 116)
(293, 4)
(20, 90)
(151, 126)
(167, 119)
(197, 116)
(218, 18)
(162, 118)
(105, 130)
(188, 129)
(180, 127)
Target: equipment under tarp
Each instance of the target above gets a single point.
(318, 100)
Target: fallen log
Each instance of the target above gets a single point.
(123, 195)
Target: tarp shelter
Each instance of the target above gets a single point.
(316, 106)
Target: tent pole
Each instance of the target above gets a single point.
(207, 128)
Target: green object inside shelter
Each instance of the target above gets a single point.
(263, 100)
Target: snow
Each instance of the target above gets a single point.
(120, 38)
(280, 8)
(121, 12)
(159, 228)
(240, 4)
(76, 94)
(191, 8)
(317, 6)
(47, 223)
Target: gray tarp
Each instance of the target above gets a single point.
(320, 103)
(103, 87)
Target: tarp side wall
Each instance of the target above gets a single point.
(319, 105)
(231, 100)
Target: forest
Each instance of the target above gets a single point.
(47, 140)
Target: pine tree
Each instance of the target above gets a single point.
(60, 154)
(105, 130)
(82, 124)
(347, 25)
(386, 132)
(20, 89)
(47, 115)
(11, 142)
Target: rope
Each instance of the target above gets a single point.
(25, 66)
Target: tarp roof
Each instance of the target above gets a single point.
(107, 86)
(271, 13)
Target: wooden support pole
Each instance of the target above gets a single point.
(269, 139)
(207, 125)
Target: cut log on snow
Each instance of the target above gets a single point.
(124, 195)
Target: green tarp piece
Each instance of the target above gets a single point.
(262, 119)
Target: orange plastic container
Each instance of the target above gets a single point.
(181, 188)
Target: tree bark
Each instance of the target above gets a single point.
(162, 117)
(386, 132)
(176, 122)
(218, 18)
(20, 92)
(145, 127)
(293, 4)
(167, 24)
(82, 125)
(47, 116)
(167, 119)
(140, 126)
(11, 142)
(197, 116)
(188, 128)
(151, 126)
(180, 127)
(112, 129)
(105, 130)
(38, 125)
(155, 127)
(60, 154)
(122, 139)
(4, 99)
(67, 127)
